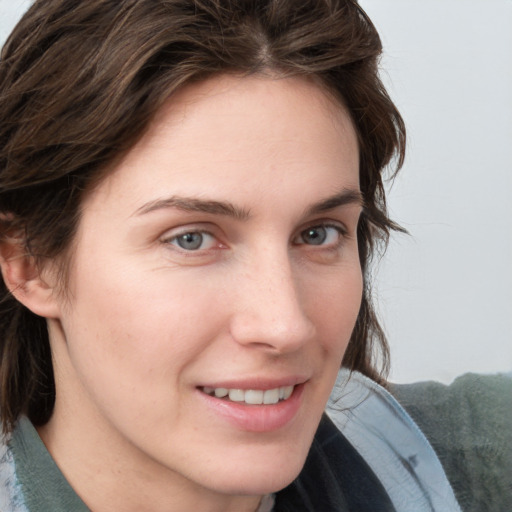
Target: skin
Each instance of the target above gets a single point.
(145, 322)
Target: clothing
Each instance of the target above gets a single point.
(469, 425)
(367, 456)
(392, 445)
(30, 481)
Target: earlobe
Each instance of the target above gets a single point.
(23, 279)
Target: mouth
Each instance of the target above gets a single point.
(251, 396)
(251, 409)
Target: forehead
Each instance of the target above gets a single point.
(259, 105)
(230, 134)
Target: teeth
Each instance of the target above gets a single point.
(252, 396)
(237, 395)
(271, 396)
(288, 390)
(221, 392)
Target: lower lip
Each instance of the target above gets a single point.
(257, 418)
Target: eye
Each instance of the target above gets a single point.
(193, 241)
(320, 235)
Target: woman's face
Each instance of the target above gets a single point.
(219, 257)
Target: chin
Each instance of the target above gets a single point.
(259, 477)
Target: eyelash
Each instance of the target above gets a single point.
(174, 240)
(341, 231)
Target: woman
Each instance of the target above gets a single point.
(191, 193)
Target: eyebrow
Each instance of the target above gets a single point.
(344, 198)
(191, 204)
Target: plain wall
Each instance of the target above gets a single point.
(445, 291)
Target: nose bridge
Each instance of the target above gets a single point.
(270, 309)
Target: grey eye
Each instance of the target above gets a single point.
(320, 235)
(193, 241)
(316, 235)
(190, 241)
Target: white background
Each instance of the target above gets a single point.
(445, 291)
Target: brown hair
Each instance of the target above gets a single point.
(80, 80)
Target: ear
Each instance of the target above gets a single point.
(24, 279)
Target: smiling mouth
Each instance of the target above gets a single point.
(251, 396)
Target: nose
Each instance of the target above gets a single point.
(269, 309)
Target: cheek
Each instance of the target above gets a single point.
(335, 312)
(136, 331)
(335, 307)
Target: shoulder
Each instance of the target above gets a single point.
(391, 443)
(30, 478)
(468, 424)
(11, 499)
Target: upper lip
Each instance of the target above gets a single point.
(262, 383)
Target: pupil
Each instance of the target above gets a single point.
(315, 236)
(190, 241)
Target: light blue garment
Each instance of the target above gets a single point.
(392, 445)
(11, 498)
